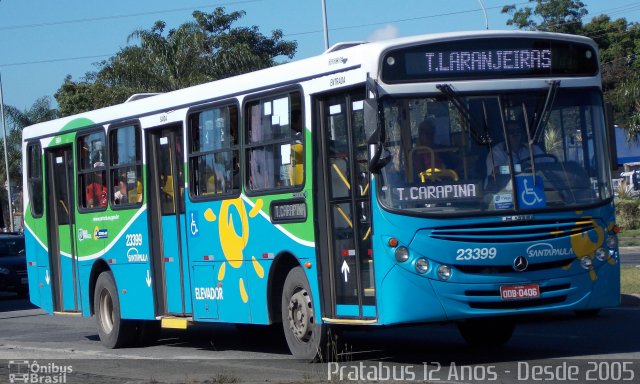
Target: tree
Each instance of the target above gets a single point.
(206, 49)
(16, 121)
(563, 16)
(619, 43)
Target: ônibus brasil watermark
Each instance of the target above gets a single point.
(31, 372)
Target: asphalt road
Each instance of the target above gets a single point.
(630, 256)
(222, 354)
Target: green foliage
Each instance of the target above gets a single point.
(630, 280)
(563, 16)
(206, 49)
(619, 43)
(16, 120)
(628, 213)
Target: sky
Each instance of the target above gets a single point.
(43, 41)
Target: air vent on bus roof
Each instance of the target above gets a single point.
(344, 45)
(139, 96)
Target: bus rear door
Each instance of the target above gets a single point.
(63, 258)
(167, 220)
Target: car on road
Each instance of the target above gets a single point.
(13, 264)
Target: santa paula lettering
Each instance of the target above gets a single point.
(437, 192)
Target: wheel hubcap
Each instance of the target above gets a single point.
(301, 315)
(106, 311)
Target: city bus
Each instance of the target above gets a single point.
(303, 196)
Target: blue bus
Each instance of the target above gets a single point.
(459, 177)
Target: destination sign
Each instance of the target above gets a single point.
(446, 192)
(288, 211)
(489, 58)
(478, 61)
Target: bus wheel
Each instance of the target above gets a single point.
(487, 332)
(303, 333)
(114, 332)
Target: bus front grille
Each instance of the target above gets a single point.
(495, 269)
(508, 232)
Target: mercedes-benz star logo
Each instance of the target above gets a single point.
(520, 263)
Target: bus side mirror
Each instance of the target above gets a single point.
(611, 136)
(371, 127)
(378, 155)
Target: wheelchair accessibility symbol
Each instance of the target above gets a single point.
(194, 223)
(530, 193)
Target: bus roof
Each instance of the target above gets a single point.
(352, 56)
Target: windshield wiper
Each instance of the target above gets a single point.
(546, 109)
(448, 91)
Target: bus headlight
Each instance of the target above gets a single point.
(444, 272)
(586, 262)
(402, 254)
(422, 266)
(612, 242)
(601, 254)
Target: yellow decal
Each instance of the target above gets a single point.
(256, 209)
(209, 215)
(234, 237)
(243, 292)
(257, 267)
(221, 272)
(583, 246)
(232, 243)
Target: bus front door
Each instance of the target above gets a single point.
(344, 213)
(167, 220)
(63, 258)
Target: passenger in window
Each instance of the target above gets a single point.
(520, 152)
(97, 192)
(120, 196)
(424, 156)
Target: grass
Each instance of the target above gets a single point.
(629, 237)
(630, 280)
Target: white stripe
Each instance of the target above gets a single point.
(287, 233)
(98, 254)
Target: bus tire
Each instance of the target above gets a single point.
(114, 331)
(303, 333)
(487, 332)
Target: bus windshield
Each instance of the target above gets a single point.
(512, 151)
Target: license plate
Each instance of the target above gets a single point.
(518, 292)
(24, 281)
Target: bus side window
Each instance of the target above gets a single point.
(214, 152)
(34, 179)
(275, 142)
(125, 163)
(92, 180)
